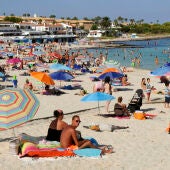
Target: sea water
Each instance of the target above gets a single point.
(145, 50)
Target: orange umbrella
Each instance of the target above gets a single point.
(111, 70)
(43, 77)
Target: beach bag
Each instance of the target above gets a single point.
(14, 146)
(140, 115)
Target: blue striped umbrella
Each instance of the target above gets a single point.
(2, 74)
(17, 106)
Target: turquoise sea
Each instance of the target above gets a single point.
(146, 52)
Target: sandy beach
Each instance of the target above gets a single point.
(143, 146)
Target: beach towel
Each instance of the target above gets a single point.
(31, 150)
(88, 152)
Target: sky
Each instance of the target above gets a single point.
(149, 10)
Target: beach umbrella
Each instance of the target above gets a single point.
(29, 58)
(43, 77)
(111, 70)
(112, 75)
(2, 74)
(17, 106)
(38, 53)
(1, 47)
(61, 75)
(111, 63)
(97, 97)
(161, 71)
(10, 54)
(55, 55)
(56, 66)
(13, 61)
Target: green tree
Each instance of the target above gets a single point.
(68, 18)
(52, 16)
(120, 19)
(105, 23)
(116, 22)
(12, 14)
(40, 21)
(13, 19)
(85, 18)
(94, 27)
(97, 20)
(74, 18)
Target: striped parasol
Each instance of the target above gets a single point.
(17, 106)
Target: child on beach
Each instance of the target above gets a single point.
(15, 81)
(148, 89)
(167, 95)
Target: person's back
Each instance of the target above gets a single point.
(56, 126)
(66, 138)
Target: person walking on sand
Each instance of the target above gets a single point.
(69, 137)
(167, 95)
(143, 84)
(108, 90)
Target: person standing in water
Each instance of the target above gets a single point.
(156, 60)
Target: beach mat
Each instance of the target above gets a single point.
(88, 152)
(114, 116)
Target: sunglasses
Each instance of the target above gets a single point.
(78, 121)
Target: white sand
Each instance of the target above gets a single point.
(143, 146)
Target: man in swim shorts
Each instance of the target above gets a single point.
(69, 137)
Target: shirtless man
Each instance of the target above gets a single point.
(69, 137)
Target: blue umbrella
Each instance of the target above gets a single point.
(2, 74)
(61, 75)
(161, 70)
(112, 75)
(38, 52)
(97, 96)
(57, 66)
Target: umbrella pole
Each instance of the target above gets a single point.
(13, 132)
(98, 107)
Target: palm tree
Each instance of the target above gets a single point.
(52, 16)
(132, 21)
(120, 19)
(105, 23)
(28, 15)
(116, 22)
(74, 18)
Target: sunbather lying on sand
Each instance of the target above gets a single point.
(69, 138)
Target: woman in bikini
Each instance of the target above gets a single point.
(108, 90)
(56, 126)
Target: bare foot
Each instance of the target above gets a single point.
(107, 149)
